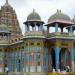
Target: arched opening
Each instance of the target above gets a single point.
(64, 58)
(52, 53)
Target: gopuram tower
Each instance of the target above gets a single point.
(9, 18)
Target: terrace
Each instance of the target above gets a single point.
(60, 35)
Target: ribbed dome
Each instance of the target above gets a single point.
(33, 16)
(59, 16)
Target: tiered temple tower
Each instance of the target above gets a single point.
(9, 18)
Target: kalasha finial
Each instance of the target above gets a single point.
(6, 1)
(33, 10)
(58, 11)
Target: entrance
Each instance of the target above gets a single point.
(52, 53)
(64, 58)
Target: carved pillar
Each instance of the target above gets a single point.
(71, 30)
(21, 59)
(26, 28)
(72, 58)
(3, 60)
(57, 58)
(57, 55)
(56, 27)
(61, 29)
(35, 26)
(28, 58)
(16, 60)
(24, 59)
(35, 59)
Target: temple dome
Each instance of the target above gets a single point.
(33, 16)
(59, 16)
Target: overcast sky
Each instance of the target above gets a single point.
(45, 8)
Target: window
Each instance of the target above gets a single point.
(32, 44)
(38, 44)
(15, 39)
(26, 44)
(12, 41)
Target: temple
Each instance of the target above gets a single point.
(38, 51)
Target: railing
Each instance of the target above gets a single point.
(59, 34)
(4, 41)
(34, 33)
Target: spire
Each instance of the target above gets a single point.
(33, 10)
(6, 1)
(58, 11)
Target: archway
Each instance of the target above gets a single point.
(64, 58)
(52, 54)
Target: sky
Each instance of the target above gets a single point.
(45, 8)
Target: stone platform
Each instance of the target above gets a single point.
(18, 73)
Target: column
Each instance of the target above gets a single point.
(44, 62)
(9, 61)
(42, 59)
(24, 59)
(57, 58)
(71, 30)
(32, 28)
(61, 29)
(46, 59)
(25, 28)
(20, 60)
(40, 27)
(16, 60)
(35, 59)
(28, 59)
(35, 26)
(56, 27)
(72, 57)
(47, 29)
(28, 27)
(3, 60)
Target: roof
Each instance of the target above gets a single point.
(33, 16)
(59, 16)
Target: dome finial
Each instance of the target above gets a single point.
(6, 1)
(33, 10)
(58, 11)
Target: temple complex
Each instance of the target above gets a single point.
(38, 51)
